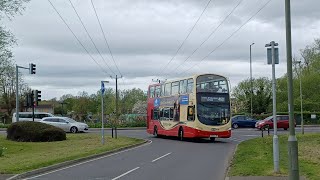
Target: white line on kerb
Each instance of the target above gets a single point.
(125, 173)
(106, 156)
(161, 157)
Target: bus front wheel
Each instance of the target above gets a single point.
(180, 135)
(155, 131)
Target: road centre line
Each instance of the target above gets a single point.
(161, 157)
(125, 173)
(109, 155)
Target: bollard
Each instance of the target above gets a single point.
(261, 132)
(268, 130)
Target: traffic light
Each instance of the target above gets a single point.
(37, 96)
(32, 68)
(29, 100)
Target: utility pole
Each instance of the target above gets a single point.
(274, 60)
(117, 109)
(117, 97)
(251, 94)
(292, 140)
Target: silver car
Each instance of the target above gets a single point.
(65, 123)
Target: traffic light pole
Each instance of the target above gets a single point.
(17, 90)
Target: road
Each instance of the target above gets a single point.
(162, 158)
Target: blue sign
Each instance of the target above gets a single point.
(156, 102)
(102, 88)
(184, 100)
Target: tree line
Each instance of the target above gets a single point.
(9, 9)
(309, 72)
(88, 107)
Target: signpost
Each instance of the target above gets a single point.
(273, 58)
(102, 111)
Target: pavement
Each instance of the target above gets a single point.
(163, 158)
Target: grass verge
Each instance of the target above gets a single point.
(255, 157)
(25, 156)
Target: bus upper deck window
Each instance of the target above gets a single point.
(190, 85)
(151, 92)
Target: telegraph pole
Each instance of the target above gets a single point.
(117, 97)
(292, 140)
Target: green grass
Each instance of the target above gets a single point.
(25, 156)
(255, 157)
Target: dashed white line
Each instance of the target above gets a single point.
(161, 157)
(106, 156)
(125, 173)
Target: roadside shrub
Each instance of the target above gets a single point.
(29, 131)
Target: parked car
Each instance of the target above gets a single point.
(243, 121)
(65, 123)
(282, 122)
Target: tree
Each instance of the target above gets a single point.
(129, 98)
(9, 8)
(140, 107)
(262, 95)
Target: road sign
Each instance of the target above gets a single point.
(276, 55)
(102, 87)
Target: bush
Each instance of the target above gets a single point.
(29, 131)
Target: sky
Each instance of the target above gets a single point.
(144, 37)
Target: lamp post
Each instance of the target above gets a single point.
(292, 140)
(102, 111)
(251, 78)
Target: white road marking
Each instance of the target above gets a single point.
(125, 173)
(161, 157)
(84, 162)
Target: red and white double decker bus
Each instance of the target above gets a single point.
(194, 107)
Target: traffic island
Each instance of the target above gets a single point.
(21, 157)
(253, 159)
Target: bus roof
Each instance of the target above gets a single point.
(178, 79)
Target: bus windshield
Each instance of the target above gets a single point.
(213, 113)
(212, 83)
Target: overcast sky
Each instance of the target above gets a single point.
(144, 36)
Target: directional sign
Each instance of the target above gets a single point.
(102, 88)
(156, 102)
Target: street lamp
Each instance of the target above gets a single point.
(251, 77)
(299, 74)
(102, 108)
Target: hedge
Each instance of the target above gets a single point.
(29, 131)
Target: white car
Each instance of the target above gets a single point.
(27, 116)
(65, 123)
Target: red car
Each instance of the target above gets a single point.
(282, 122)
